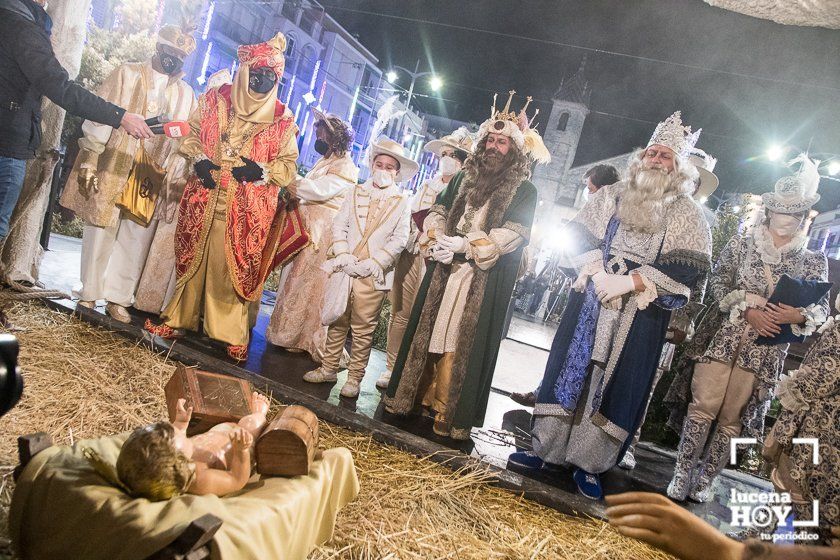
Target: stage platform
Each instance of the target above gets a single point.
(505, 427)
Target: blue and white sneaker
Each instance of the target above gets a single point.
(527, 459)
(588, 484)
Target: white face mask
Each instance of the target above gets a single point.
(784, 225)
(382, 178)
(449, 165)
(584, 195)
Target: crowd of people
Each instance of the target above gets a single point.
(190, 228)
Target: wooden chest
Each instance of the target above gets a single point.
(215, 398)
(288, 444)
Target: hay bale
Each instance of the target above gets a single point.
(84, 382)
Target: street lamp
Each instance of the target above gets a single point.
(775, 152)
(436, 82)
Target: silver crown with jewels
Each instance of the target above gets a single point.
(672, 134)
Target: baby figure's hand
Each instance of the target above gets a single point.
(241, 439)
(182, 413)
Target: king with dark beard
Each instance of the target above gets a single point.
(641, 245)
(475, 236)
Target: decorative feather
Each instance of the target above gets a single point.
(535, 147)
(384, 115)
(104, 469)
(808, 175)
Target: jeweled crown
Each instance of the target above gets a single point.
(672, 134)
(507, 115)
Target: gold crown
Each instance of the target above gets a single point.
(507, 115)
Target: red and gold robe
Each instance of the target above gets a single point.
(259, 236)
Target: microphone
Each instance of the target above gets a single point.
(158, 120)
(176, 129)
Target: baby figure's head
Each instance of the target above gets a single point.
(152, 465)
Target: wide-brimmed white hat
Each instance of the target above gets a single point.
(705, 165)
(384, 145)
(327, 118)
(459, 139)
(795, 193)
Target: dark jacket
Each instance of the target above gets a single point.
(28, 71)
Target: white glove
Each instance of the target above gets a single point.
(455, 244)
(344, 260)
(442, 255)
(354, 271)
(370, 267)
(613, 286)
(598, 278)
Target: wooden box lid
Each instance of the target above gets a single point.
(215, 397)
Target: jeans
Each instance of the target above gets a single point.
(12, 172)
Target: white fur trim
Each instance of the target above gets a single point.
(645, 297)
(814, 317)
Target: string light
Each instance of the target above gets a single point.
(208, 19)
(201, 79)
(353, 105)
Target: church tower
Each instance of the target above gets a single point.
(562, 134)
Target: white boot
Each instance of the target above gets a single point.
(384, 379)
(320, 375)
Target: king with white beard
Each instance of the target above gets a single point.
(641, 245)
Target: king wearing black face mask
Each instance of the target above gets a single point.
(144, 223)
(233, 210)
(166, 62)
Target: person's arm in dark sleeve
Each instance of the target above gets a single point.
(36, 59)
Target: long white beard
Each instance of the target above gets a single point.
(644, 201)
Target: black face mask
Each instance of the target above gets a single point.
(170, 64)
(261, 81)
(321, 147)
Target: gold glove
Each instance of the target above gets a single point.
(88, 181)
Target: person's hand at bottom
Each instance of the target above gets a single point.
(661, 523)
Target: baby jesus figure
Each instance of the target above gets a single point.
(159, 461)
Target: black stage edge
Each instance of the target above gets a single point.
(544, 494)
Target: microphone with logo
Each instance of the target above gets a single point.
(162, 124)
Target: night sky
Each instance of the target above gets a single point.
(747, 82)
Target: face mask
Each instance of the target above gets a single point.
(585, 195)
(170, 64)
(321, 147)
(382, 178)
(784, 225)
(449, 165)
(261, 81)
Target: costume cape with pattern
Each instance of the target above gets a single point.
(483, 321)
(259, 236)
(681, 255)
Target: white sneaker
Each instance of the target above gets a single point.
(118, 312)
(384, 379)
(320, 375)
(351, 388)
(628, 462)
